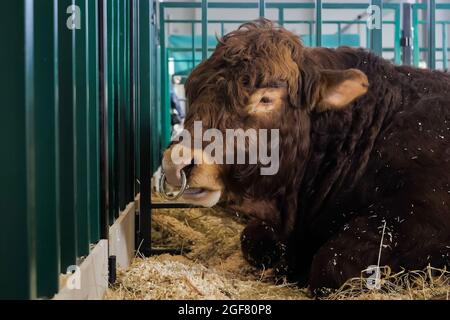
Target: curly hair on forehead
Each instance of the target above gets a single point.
(257, 54)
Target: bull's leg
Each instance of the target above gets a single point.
(346, 255)
(260, 244)
(263, 247)
(408, 242)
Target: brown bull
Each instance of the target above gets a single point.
(364, 152)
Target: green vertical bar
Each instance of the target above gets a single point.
(67, 217)
(18, 268)
(281, 16)
(46, 113)
(81, 63)
(367, 38)
(431, 24)
(136, 91)
(129, 172)
(144, 106)
(118, 124)
(122, 142)
(204, 29)
(111, 12)
(318, 23)
(165, 98)
(87, 30)
(416, 47)
(376, 37)
(398, 36)
(339, 34)
(155, 110)
(310, 30)
(93, 122)
(262, 8)
(444, 46)
(222, 29)
(193, 43)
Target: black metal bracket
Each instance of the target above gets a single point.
(112, 270)
(406, 42)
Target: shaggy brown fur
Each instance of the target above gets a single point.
(343, 171)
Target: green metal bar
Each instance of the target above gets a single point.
(93, 121)
(222, 29)
(158, 114)
(112, 62)
(165, 97)
(122, 106)
(184, 21)
(16, 194)
(30, 141)
(116, 110)
(416, 49)
(431, 17)
(103, 71)
(129, 173)
(376, 38)
(237, 5)
(262, 8)
(444, 46)
(204, 29)
(67, 217)
(318, 12)
(367, 37)
(281, 16)
(144, 69)
(270, 5)
(81, 130)
(193, 43)
(45, 136)
(339, 34)
(165, 101)
(310, 30)
(132, 96)
(398, 35)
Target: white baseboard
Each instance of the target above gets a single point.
(122, 237)
(90, 280)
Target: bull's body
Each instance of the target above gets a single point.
(364, 147)
(385, 159)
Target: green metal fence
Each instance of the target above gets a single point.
(84, 117)
(78, 85)
(186, 53)
(201, 45)
(421, 49)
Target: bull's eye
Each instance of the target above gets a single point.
(266, 101)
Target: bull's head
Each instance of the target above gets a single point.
(259, 77)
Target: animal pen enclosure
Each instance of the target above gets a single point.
(86, 115)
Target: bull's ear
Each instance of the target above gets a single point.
(339, 88)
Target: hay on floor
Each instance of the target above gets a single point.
(211, 266)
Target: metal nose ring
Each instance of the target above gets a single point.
(162, 187)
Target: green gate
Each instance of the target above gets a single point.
(180, 53)
(78, 86)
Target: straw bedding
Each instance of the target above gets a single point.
(210, 266)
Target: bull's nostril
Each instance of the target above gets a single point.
(188, 169)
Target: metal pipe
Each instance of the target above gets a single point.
(204, 29)
(406, 40)
(376, 33)
(318, 23)
(145, 68)
(431, 28)
(262, 8)
(103, 90)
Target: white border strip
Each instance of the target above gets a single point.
(90, 279)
